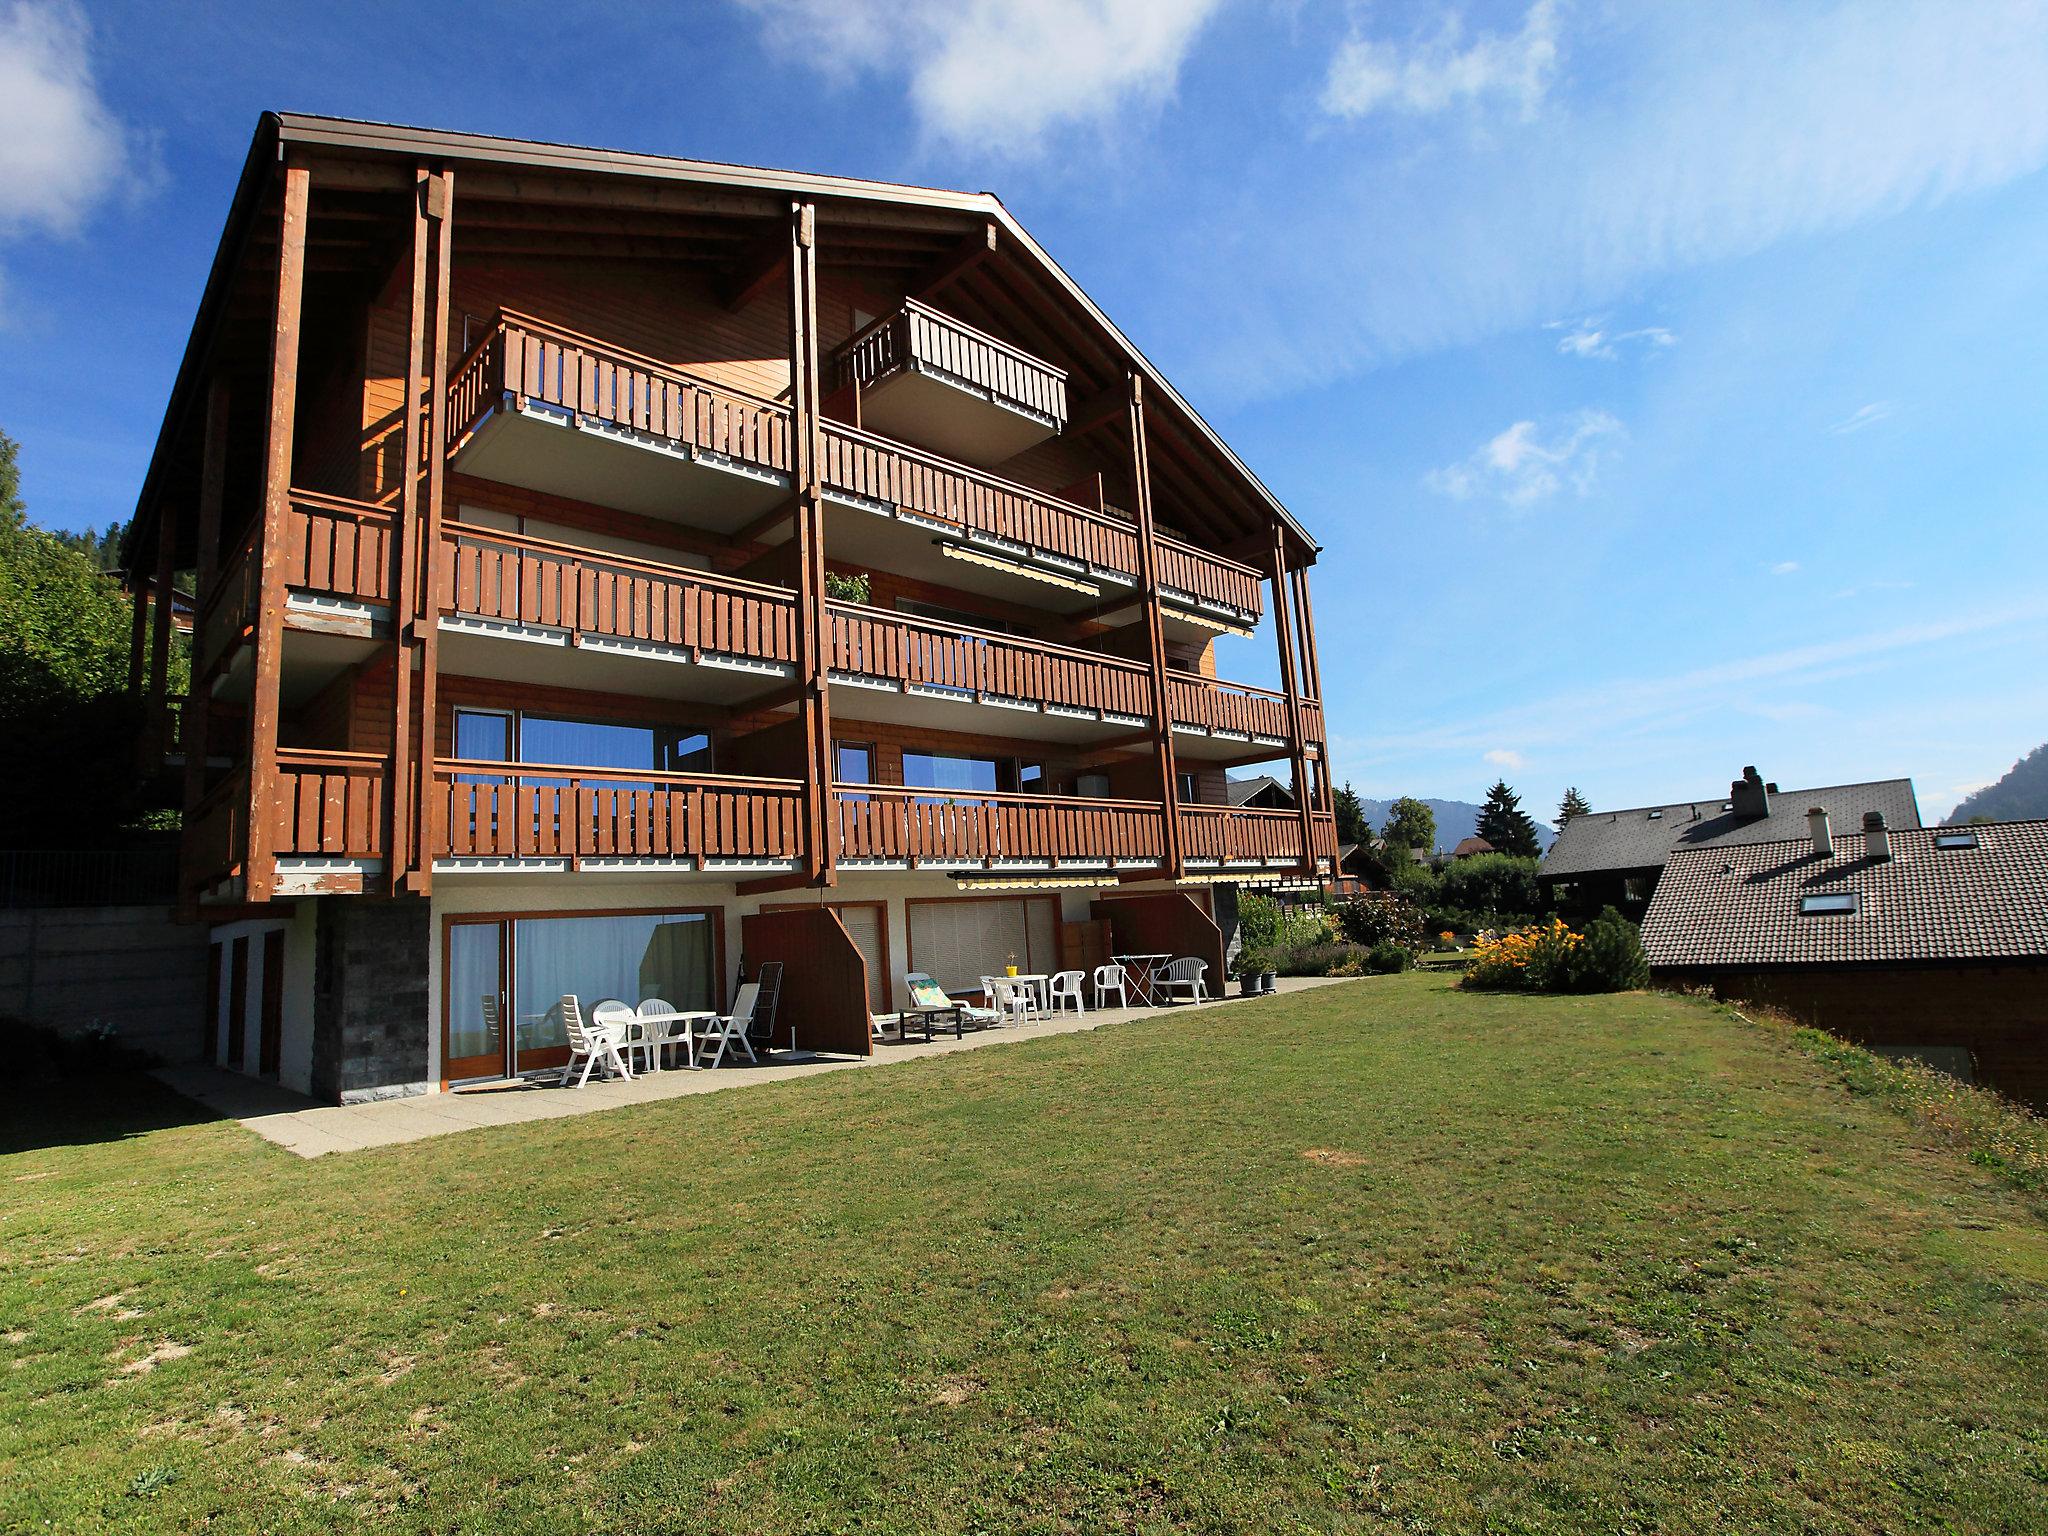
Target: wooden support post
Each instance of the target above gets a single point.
(1290, 683)
(138, 633)
(259, 868)
(1155, 628)
(1305, 616)
(213, 472)
(813, 625)
(440, 212)
(401, 854)
(157, 730)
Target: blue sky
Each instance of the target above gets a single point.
(1665, 382)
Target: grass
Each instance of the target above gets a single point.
(1381, 1257)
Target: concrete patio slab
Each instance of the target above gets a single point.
(309, 1129)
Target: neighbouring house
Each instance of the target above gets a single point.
(1919, 941)
(529, 487)
(1472, 847)
(1261, 792)
(1613, 858)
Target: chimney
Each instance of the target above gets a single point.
(1750, 796)
(1877, 842)
(1817, 829)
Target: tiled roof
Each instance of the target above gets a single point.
(1739, 905)
(1645, 837)
(1471, 845)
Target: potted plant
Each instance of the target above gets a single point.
(1269, 978)
(1011, 968)
(1248, 965)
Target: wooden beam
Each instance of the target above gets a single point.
(164, 598)
(754, 273)
(138, 632)
(770, 884)
(956, 263)
(440, 211)
(1283, 626)
(806, 470)
(260, 872)
(213, 470)
(1097, 410)
(1155, 631)
(402, 855)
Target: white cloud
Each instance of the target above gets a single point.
(62, 153)
(997, 75)
(1784, 567)
(1501, 757)
(1368, 75)
(1864, 416)
(1590, 338)
(1675, 139)
(1525, 464)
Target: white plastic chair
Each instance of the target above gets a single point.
(732, 1029)
(589, 1044)
(1184, 975)
(627, 1035)
(1110, 980)
(1063, 989)
(1009, 998)
(658, 1037)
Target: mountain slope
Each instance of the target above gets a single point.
(1456, 820)
(2021, 795)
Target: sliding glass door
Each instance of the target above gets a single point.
(507, 975)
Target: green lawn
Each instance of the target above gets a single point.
(1383, 1257)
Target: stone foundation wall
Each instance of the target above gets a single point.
(370, 998)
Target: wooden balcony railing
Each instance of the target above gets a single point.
(931, 827)
(538, 810)
(873, 642)
(1312, 721)
(330, 804)
(1227, 833)
(338, 547)
(1235, 708)
(1191, 572)
(539, 361)
(226, 611)
(216, 836)
(920, 338)
(533, 581)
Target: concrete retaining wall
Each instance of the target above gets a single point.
(131, 967)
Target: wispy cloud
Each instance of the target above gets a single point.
(1591, 338)
(997, 76)
(1661, 143)
(62, 152)
(1864, 416)
(1526, 464)
(1372, 75)
(1501, 757)
(1784, 567)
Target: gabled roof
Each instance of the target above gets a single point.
(1243, 791)
(1740, 905)
(1190, 449)
(1470, 846)
(1645, 837)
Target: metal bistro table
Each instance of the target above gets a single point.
(1143, 971)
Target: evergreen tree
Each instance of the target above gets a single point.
(1573, 804)
(1409, 824)
(1351, 823)
(1503, 823)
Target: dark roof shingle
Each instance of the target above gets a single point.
(1645, 837)
(1739, 905)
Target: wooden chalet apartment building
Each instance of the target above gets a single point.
(529, 491)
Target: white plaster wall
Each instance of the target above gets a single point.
(252, 931)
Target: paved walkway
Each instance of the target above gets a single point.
(312, 1129)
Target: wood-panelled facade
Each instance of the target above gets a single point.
(860, 552)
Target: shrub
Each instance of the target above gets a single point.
(1387, 959)
(1370, 920)
(1258, 921)
(1492, 883)
(1611, 959)
(1607, 957)
(847, 587)
(1327, 958)
(1251, 961)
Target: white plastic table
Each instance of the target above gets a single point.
(690, 1016)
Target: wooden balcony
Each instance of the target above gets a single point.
(1220, 836)
(549, 409)
(495, 815)
(920, 666)
(910, 828)
(1226, 717)
(925, 377)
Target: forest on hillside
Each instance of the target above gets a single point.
(2020, 796)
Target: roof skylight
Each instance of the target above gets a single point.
(1955, 839)
(1828, 901)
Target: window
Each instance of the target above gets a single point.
(1638, 887)
(503, 736)
(853, 762)
(482, 736)
(960, 616)
(960, 775)
(1656, 815)
(1031, 778)
(1092, 786)
(1184, 787)
(1828, 902)
(1955, 839)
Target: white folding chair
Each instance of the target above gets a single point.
(589, 1044)
(627, 1035)
(1110, 981)
(1184, 976)
(1063, 989)
(659, 1036)
(732, 1029)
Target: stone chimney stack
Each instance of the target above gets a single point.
(1817, 829)
(1877, 842)
(1750, 796)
